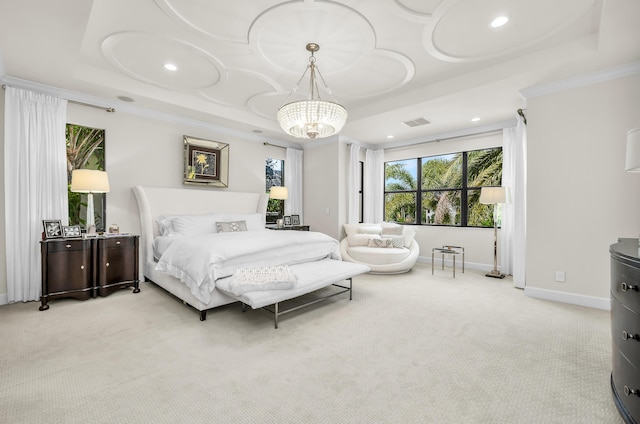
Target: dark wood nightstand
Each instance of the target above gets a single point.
(84, 268)
(290, 227)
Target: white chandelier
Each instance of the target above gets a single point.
(314, 117)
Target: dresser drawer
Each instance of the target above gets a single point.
(625, 330)
(625, 281)
(626, 380)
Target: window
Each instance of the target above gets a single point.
(85, 150)
(274, 176)
(446, 191)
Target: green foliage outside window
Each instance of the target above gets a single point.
(85, 150)
(442, 184)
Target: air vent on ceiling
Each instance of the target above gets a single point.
(416, 122)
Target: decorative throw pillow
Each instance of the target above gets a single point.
(396, 241)
(231, 227)
(380, 243)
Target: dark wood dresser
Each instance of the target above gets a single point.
(625, 327)
(84, 268)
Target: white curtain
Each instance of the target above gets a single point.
(374, 186)
(35, 175)
(293, 182)
(353, 186)
(514, 213)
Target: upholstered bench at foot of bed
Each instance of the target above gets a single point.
(310, 276)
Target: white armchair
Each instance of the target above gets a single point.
(386, 248)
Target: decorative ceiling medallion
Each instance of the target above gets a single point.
(143, 55)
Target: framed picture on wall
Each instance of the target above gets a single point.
(206, 162)
(295, 219)
(287, 221)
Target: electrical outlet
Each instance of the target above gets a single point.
(560, 277)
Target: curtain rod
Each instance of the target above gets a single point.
(274, 145)
(437, 140)
(106, 109)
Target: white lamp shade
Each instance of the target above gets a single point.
(633, 151)
(89, 181)
(278, 192)
(493, 195)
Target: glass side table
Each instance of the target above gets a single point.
(444, 251)
(459, 249)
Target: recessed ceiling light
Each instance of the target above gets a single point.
(257, 131)
(125, 99)
(170, 67)
(499, 21)
(389, 136)
(476, 119)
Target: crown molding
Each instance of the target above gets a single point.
(581, 80)
(120, 106)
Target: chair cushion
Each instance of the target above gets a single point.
(377, 255)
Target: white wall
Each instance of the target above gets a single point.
(3, 257)
(580, 199)
(321, 187)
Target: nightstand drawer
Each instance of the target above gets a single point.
(66, 245)
(114, 242)
(625, 284)
(625, 330)
(626, 379)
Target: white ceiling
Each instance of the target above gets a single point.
(386, 61)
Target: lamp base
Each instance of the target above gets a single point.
(495, 274)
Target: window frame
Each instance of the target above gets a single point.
(463, 190)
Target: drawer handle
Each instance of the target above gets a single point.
(117, 242)
(629, 336)
(107, 263)
(629, 392)
(628, 287)
(81, 266)
(68, 246)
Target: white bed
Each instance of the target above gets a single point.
(185, 268)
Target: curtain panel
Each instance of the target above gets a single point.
(353, 186)
(35, 173)
(374, 186)
(293, 181)
(513, 234)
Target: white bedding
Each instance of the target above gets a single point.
(199, 261)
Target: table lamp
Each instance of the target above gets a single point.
(494, 196)
(280, 193)
(89, 181)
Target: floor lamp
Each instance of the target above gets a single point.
(494, 196)
(89, 181)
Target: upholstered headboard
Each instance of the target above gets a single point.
(156, 201)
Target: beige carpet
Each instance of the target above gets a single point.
(410, 348)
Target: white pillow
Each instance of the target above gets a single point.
(186, 225)
(391, 229)
(408, 235)
(253, 221)
(361, 239)
(352, 229)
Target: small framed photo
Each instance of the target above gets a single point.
(287, 221)
(52, 228)
(71, 231)
(295, 219)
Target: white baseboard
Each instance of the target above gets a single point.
(572, 298)
(4, 299)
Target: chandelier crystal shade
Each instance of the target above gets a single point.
(314, 117)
